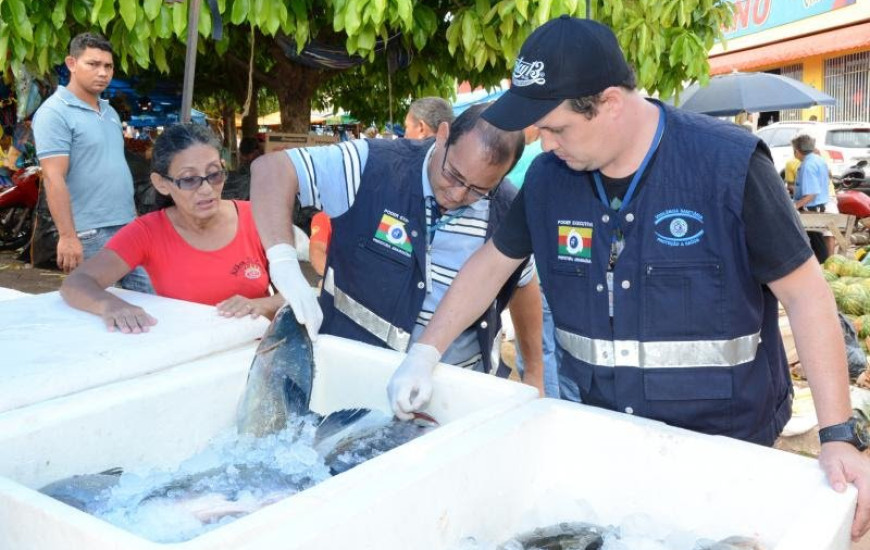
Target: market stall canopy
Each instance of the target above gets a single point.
(734, 93)
(317, 117)
(464, 101)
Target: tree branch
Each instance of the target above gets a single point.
(263, 78)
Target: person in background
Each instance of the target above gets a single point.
(80, 145)
(653, 229)
(406, 214)
(831, 207)
(199, 248)
(238, 184)
(318, 244)
(811, 187)
(425, 115)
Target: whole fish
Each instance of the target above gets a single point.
(348, 438)
(280, 379)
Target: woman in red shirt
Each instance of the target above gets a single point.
(199, 248)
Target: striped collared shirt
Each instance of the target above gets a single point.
(329, 179)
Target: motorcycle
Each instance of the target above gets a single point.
(17, 204)
(855, 176)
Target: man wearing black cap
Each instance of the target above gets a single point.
(651, 228)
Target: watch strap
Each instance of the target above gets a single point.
(844, 431)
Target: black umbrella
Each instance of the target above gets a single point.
(733, 93)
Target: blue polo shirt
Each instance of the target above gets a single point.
(99, 180)
(812, 179)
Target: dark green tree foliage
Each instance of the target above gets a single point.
(665, 40)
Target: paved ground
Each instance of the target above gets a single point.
(18, 275)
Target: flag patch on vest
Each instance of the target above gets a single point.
(575, 242)
(391, 232)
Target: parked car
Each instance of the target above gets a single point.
(842, 143)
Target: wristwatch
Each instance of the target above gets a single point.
(854, 431)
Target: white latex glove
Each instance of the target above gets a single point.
(302, 243)
(290, 282)
(410, 387)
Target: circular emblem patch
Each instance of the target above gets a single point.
(396, 234)
(679, 227)
(253, 272)
(574, 242)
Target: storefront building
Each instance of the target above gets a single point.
(824, 43)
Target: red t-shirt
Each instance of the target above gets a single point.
(177, 270)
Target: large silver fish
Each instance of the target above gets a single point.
(280, 379)
(86, 492)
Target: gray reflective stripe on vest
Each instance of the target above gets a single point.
(658, 355)
(391, 335)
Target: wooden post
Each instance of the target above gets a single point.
(190, 60)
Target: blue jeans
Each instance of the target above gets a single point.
(93, 241)
(551, 364)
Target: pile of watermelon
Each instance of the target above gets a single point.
(850, 283)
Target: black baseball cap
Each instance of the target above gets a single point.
(565, 58)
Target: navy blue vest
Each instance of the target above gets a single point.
(387, 280)
(687, 313)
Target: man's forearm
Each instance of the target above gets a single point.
(527, 316)
(273, 193)
(471, 292)
(805, 200)
(812, 315)
(57, 197)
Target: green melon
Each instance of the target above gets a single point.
(834, 263)
(850, 268)
(854, 299)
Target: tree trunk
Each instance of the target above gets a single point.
(249, 121)
(228, 114)
(295, 85)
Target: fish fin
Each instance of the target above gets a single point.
(336, 421)
(295, 397)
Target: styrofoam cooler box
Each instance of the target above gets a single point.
(162, 418)
(551, 461)
(11, 294)
(50, 349)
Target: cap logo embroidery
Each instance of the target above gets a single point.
(528, 73)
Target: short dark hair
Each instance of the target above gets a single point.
(588, 106)
(86, 40)
(501, 145)
(431, 110)
(177, 138)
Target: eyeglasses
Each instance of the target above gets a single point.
(190, 183)
(456, 181)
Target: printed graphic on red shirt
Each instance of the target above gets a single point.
(250, 268)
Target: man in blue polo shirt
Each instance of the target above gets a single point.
(811, 184)
(80, 146)
(811, 187)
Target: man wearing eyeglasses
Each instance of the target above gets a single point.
(80, 146)
(406, 216)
